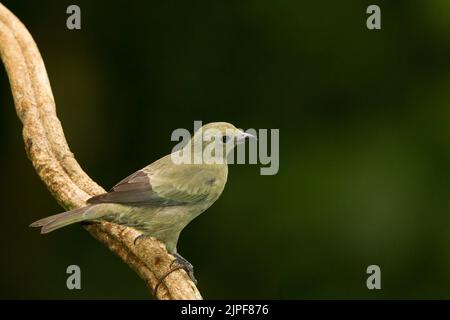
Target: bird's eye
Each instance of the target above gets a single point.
(226, 139)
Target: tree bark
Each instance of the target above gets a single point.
(56, 165)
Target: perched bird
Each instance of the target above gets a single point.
(162, 198)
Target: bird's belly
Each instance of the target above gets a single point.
(156, 221)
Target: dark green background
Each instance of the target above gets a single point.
(364, 119)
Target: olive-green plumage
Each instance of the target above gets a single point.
(162, 198)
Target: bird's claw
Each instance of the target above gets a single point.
(139, 237)
(180, 263)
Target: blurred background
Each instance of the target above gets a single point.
(364, 119)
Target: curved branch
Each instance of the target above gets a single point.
(55, 164)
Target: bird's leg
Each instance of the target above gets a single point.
(181, 263)
(186, 265)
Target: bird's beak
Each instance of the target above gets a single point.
(242, 136)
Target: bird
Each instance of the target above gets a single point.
(161, 199)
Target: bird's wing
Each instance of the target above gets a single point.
(154, 188)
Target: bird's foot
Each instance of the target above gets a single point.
(186, 265)
(140, 237)
(178, 263)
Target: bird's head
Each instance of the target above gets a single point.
(217, 139)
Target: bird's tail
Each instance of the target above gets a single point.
(64, 219)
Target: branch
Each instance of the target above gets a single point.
(56, 165)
